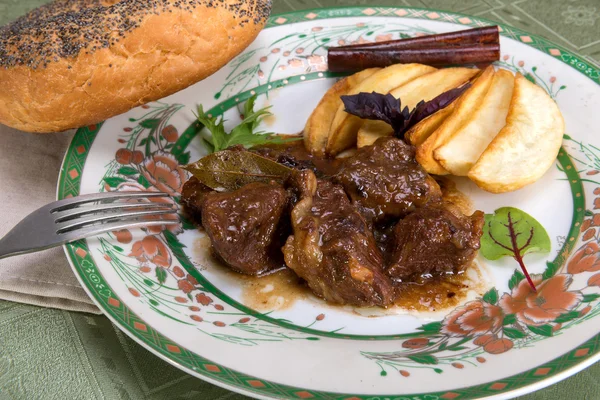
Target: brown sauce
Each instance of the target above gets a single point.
(281, 289)
(441, 292)
(451, 194)
(277, 291)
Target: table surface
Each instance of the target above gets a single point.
(52, 354)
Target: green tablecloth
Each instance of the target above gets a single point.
(51, 354)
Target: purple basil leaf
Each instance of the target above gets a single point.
(386, 108)
(425, 109)
(377, 106)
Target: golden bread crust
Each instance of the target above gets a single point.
(165, 51)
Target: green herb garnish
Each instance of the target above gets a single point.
(244, 134)
(514, 233)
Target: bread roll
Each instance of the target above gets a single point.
(76, 62)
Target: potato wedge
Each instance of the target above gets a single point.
(316, 130)
(429, 86)
(527, 145)
(345, 126)
(462, 150)
(370, 131)
(425, 87)
(464, 107)
(421, 131)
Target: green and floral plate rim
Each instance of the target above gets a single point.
(151, 285)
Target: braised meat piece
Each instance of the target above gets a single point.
(434, 240)
(384, 180)
(245, 226)
(289, 154)
(192, 195)
(332, 248)
(294, 155)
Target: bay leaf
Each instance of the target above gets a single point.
(232, 169)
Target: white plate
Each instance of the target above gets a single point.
(161, 290)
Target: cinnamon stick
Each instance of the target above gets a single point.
(484, 35)
(349, 59)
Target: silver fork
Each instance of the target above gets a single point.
(66, 220)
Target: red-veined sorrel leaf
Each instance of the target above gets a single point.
(513, 232)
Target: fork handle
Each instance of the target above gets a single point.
(10, 245)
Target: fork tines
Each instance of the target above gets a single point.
(77, 216)
(66, 204)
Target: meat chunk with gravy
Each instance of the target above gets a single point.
(247, 227)
(384, 180)
(434, 240)
(332, 248)
(192, 196)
